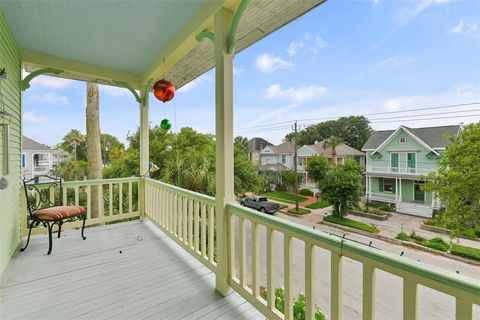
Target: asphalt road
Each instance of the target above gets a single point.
(431, 304)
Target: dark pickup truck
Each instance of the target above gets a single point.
(261, 204)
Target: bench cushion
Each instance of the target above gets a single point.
(59, 212)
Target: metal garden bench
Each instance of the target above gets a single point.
(46, 208)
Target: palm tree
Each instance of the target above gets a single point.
(333, 142)
(74, 138)
(94, 154)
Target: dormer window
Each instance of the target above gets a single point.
(402, 140)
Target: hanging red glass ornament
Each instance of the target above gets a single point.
(165, 124)
(163, 90)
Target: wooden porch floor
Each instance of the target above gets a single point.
(123, 271)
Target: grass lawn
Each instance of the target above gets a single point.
(467, 252)
(434, 243)
(300, 211)
(318, 205)
(283, 196)
(351, 223)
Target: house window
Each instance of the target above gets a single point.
(284, 159)
(402, 140)
(386, 185)
(24, 160)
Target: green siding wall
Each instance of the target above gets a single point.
(424, 157)
(11, 98)
(407, 190)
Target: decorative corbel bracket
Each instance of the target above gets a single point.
(234, 26)
(125, 85)
(147, 90)
(36, 73)
(206, 34)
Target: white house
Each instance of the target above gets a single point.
(277, 158)
(343, 152)
(255, 147)
(39, 159)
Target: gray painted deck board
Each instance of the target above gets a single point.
(123, 271)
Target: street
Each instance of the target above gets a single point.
(431, 304)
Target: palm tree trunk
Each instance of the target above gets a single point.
(94, 155)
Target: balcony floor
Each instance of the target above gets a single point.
(122, 271)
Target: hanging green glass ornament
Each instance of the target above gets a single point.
(165, 124)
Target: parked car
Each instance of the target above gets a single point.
(261, 204)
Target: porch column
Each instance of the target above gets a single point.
(224, 144)
(400, 190)
(144, 147)
(396, 189)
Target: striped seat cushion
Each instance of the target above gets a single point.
(59, 212)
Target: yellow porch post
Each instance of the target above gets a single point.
(224, 144)
(144, 147)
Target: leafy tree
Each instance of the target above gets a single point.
(353, 130)
(74, 142)
(332, 143)
(71, 170)
(246, 173)
(342, 187)
(110, 147)
(288, 178)
(317, 168)
(457, 181)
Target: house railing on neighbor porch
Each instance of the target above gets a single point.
(381, 196)
(401, 170)
(189, 218)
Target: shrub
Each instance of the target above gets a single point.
(469, 233)
(467, 252)
(299, 304)
(306, 192)
(376, 211)
(351, 223)
(402, 236)
(386, 207)
(436, 244)
(416, 237)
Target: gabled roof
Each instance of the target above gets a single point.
(342, 150)
(284, 148)
(432, 137)
(257, 144)
(32, 145)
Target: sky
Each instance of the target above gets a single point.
(342, 58)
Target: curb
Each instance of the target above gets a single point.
(403, 243)
(442, 231)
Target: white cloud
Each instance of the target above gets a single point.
(310, 43)
(268, 63)
(375, 1)
(195, 83)
(237, 72)
(300, 94)
(458, 28)
(408, 14)
(468, 28)
(294, 47)
(394, 62)
(467, 90)
(49, 98)
(113, 91)
(32, 117)
(395, 103)
(51, 82)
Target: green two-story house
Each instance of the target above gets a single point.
(396, 160)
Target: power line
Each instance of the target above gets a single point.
(368, 114)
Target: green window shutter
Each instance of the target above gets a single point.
(380, 184)
(394, 186)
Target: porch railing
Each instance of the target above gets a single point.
(118, 199)
(400, 170)
(187, 217)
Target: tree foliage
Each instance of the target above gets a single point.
(71, 170)
(353, 130)
(317, 168)
(457, 181)
(342, 187)
(186, 159)
(288, 178)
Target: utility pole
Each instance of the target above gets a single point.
(295, 165)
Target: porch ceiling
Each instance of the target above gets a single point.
(129, 40)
